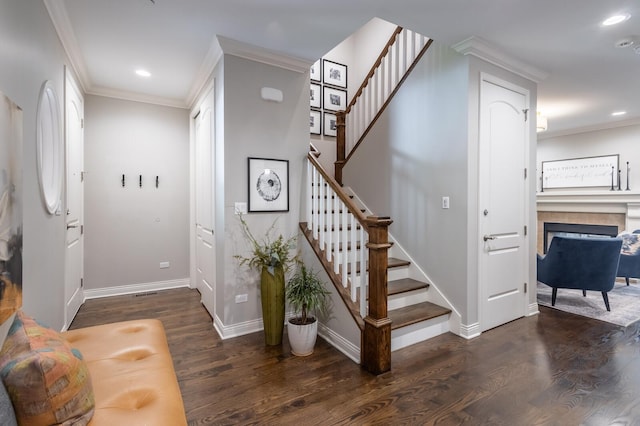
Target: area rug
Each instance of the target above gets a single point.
(624, 301)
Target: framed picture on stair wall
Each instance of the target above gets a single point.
(334, 99)
(315, 96)
(334, 73)
(268, 185)
(315, 72)
(315, 122)
(330, 124)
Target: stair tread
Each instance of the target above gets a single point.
(396, 263)
(405, 285)
(415, 313)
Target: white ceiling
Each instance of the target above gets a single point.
(588, 78)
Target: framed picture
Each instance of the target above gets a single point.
(315, 72)
(330, 128)
(315, 122)
(268, 185)
(334, 73)
(315, 97)
(586, 172)
(334, 99)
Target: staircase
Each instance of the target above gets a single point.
(387, 296)
(388, 302)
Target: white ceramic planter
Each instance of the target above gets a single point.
(302, 338)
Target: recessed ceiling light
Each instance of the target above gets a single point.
(143, 73)
(615, 19)
(617, 113)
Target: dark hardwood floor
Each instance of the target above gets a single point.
(551, 369)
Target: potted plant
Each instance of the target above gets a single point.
(273, 257)
(306, 294)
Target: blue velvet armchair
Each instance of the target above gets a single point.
(629, 266)
(582, 263)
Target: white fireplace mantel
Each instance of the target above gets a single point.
(603, 201)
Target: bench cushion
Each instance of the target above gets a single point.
(132, 372)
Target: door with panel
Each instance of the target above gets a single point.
(504, 142)
(204, 202)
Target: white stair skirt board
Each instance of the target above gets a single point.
(418, 332)
(135, 288)
(350, 350)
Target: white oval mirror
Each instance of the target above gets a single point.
(49, 147)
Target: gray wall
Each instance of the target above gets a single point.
(420, 148)
(31, 53)
(130, 230)
(254, 128)
(618, 140)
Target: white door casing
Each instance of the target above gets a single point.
(74, 206)
(503, 201)
(204, 194)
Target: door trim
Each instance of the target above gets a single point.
(526, 246)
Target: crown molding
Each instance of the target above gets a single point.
(137, 97)
(482, 49)
(62, 24)
(265, 56)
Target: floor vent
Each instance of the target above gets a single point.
(149, 293)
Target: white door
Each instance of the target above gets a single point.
(204, 193)
(74, 256)
(503, 202)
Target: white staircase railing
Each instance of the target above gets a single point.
(398, 58)
(381, 84)
(340, 234)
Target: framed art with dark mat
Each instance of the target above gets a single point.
(268, 185)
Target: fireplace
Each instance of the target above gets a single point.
(553, 228)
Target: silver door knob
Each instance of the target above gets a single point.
(488, 237)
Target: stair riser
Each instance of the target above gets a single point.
(402, 300)
(394, 274)
(419, 332)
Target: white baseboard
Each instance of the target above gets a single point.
(470, 331)
(533, 309)
(135, 288)
(237, 330)
(242, 328)
(350, 350)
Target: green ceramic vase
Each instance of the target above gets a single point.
(272, 295)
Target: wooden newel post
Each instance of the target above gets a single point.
(376, 351)
(341, 145)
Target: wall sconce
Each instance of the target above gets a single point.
(541, 122)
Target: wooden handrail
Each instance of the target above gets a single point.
(373, 233)
(373, 69)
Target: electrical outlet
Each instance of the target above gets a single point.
(164, 265)
(241, 298)
(445, 202)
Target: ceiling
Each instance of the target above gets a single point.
(587, 77)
